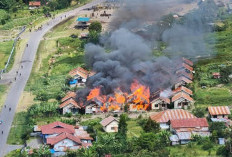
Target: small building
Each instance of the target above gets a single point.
(216, 75)
(187, 61)
(110, 124)
(83, 22)
(160, 103)
(182, 89)
(92, 109)
(70, 106)
(182, 100)
(184, 129)
(184, 67)
(221, 141)
(219, 112)
(182, 81)
(185, 74)
(34, 4)
(62, 137)
(80, 75)
(69, 95)
(164, 117)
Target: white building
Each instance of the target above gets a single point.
(110, 124)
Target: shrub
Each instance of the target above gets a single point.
(207, 145)
(199, 112)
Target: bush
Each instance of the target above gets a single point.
(199, 112)
(3, 22)
(207, 145)
(221, 151)
(68, 114)
(95, 26)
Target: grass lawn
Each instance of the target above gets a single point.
(5, 52)
(134, 129)
(3, 91)
(191, 151)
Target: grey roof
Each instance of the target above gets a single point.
(107, 121)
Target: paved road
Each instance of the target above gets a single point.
(26, 64)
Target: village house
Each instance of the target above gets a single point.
(184, 67)
(164, 117)
(185, 74)
(160, 103)
(187, 61)
(70, 106)
(83, 22)
(69, 95)
(219, 112)
(34, 4)
(216, 75)
(110, 124)
(182, 100)
(92, 109)
(62, 137)
(182, 89)
(182, 81)
(184, 129)
(79, 76)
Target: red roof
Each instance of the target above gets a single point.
(167, 115)
(81, 72)
(57, 128)
(186, 66)
(107, 121)
(185, 74)
(184, 89)
(184, 79)
(34, 3)
(181, 95)
(219, 110)
(187, 61)
(189, 123)
(216, 74)
(166, 100)
(68, 96)
(69, 101)
(62, 136)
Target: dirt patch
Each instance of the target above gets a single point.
(26, 100)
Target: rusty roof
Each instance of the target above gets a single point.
(34, 3)
(81, 72)
(185, 74)
(187, 61)
(62, 136)
(181, 95)
(184, 89)
(167, 115)
(70, 101)
(186, 80)
(219, 110)
(189, 123)
(56, 128)
(107, 121)
(68, 96)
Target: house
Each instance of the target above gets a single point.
(70, 106)
(34, 4)
(183, 89)
(185, 74)
(80, 75)
(92, 109)
(182, 81)
(187, 61)
(164, 117)
(160, 103)
(69, 95)
(219, 112)
(216, 75)
(62, 137)
(83, 22)
(110, 124)
(184, 129)
(184, 67)
(182, 100)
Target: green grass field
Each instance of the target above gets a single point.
(134, 129)
(5, 52)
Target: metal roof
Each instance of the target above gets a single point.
(83, 19)
(219, 110)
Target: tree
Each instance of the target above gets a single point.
(219, 127)
(151, 126)
(122, 127)
(225, 73)
(94, 37)
(199, 112)
(95, 26)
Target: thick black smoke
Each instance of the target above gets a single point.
(131, 54)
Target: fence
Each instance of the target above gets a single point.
(12, 51)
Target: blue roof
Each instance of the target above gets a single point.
(83, 19)
(72, 82)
